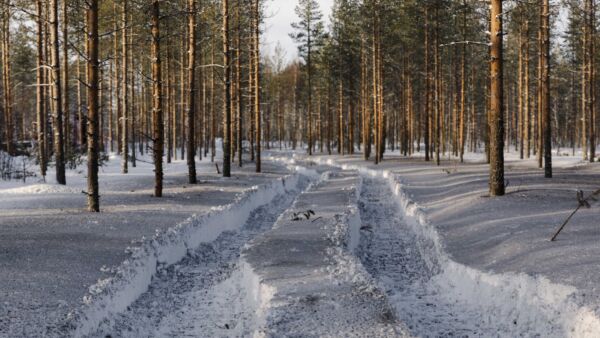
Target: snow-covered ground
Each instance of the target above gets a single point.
(404, 248)
(493, 254)
(57, 260)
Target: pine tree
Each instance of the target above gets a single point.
(309, 35)
(93, 81)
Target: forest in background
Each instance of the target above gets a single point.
(170, 78)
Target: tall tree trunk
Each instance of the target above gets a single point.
(7, 82)
(592, 80)
(438, 87)
(238, 74)
(257, 118)
(191, 108)
(526, 101)
(546, 88)
(131, 114)
(157, 112)
(496, 100)
(463, 80)
(57, 113)
(226, 93)
(124, 92)
(92, 93)
(40, 112)
(117, 80)
(65, 79)
(427, 117)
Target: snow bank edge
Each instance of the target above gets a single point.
(134, 275)
(533, 301)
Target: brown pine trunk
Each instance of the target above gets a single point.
(520, 93)
(40, 112)
(592, 80)
(65, 79)
(437, 88)
(341, 119)
(526, 102)
(191, 108)
(257, 118)
(463, 97)
(92, 93)
(132, 124)
(226, 93)
(238, 80)
(7, 83)
(496, 100)
(547, 129)
(116, 83)
(157, 112)
(57, 113)
(427, 117)
(124, 93)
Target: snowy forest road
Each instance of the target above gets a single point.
(390, 253)
(387, 283)
(201, 295)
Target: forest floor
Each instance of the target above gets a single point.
(404, 248)
(55, 257)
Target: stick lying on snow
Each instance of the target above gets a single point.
(583, 202)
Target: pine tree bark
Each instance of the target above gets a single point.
(92, 93)
(191, 108)
(496, 102)
(65, 79)
(546, 88)
(526, 101)
(157, 104)
(124, 92)
(40, 97)
(239, 101)
(257, 118)
(57, 113)
(592, 80)
(226, 93)
(427, 117)
(9, 128)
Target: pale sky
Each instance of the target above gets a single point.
(279, 16)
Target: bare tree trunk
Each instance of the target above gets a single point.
(157, 112)
(131, 113)
(57, 113)
(65, 75)
(257, 113)
(496, 100)
(92, 92)
(546, 88)
(191, 108)
(427, 118)
(117, 81)
(592, 79)
(238, 74)
(40, 112)
(213, 113)
(463, 81)
(341, 118)
(526, 103)
(7, 83)
(124, 92)
(226, 93)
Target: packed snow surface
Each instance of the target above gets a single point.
(321, 246)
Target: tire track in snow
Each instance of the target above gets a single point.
(389, 252)
(203, 295)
